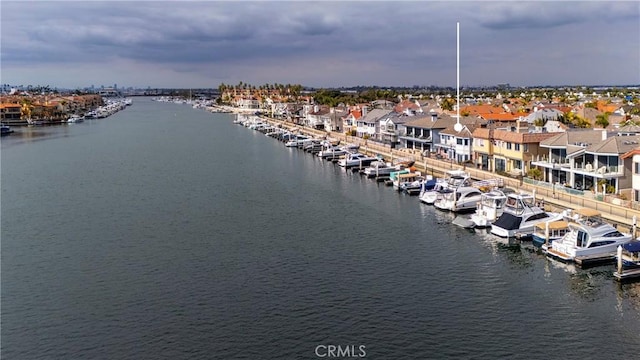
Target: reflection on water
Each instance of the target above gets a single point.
(28, 134)
(628, 292)
(587, 283)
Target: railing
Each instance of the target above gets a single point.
(556, 195)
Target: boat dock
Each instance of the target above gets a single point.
(586, 261)
(626, 274)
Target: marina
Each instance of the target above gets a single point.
(223, 241)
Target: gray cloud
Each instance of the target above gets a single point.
(321, 43)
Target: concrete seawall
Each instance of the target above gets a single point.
(554, 200)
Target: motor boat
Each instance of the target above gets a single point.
(549, 231)
(490, 207)
(356, 159)
(453, 179)
(520, 215)
(463, 198)
(589, 235)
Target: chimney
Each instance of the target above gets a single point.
(434, 116)
(604, 134)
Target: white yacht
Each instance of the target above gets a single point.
(588, 236)
(356, 159)
(489, 207)
(453, 179)
(332, 152)
(75, 119)
(463, 198)
(380, 168)
(407, 180)
(520, 215)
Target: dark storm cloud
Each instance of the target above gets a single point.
(321, 43)
(541, 15)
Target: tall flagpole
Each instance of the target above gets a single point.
(458, 126)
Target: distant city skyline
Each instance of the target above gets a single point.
(166, 44)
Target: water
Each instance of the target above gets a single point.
(169, 232)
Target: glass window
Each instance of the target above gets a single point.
(517, 147)
(508, 146)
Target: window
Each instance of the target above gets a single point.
(517, 147)
(508, 146)
(526, 147)
(636, 168)
(459, 141)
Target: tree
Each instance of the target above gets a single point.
(602, 120)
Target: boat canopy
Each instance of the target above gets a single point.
(554, 225)
(587, 212)
(633, 246)
(508, 222)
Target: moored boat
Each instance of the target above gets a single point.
(589, 236)
(453, 179)
(356, 159)
(520, 215)
(490, 207)
(549, 231)
(6, 129)
(463, 198)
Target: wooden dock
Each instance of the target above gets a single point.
(626, 274)
(586, 261)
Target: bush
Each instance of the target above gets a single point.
(535, 173)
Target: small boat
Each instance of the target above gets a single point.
(402, 182)
(75, 119)
(490, 207)
(356, 159)
(631, 255)
(6, 130)
(520, 215)
(463, 198)
(628, 261)
(380, 168)
(548, 232)
(588, 236)
(453, 179)
(293, 142)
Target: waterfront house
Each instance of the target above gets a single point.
(333, 122)
(456, 145)
(508, 150)
(367, 125)
(422, 132)
(349, 121)
(582, 159)
(317, 116)
(634, 155)
(11, 114)
(389, 127)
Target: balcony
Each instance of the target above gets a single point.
(603, 171)
(420, 139)
(553, 163)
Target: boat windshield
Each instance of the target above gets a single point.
(518, 205)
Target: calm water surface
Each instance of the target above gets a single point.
(168, 232)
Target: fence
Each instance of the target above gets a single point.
(621, 213)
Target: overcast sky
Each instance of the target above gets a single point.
(319, 44)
